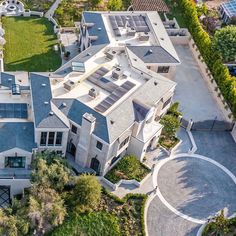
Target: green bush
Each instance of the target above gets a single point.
(87, 193)
(129, 167)
(225, 81)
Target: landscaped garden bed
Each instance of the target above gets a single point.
(38, 5)
(128, 168)
(113, 216)
(220, 226)
(61, 204)
(29, 45)
(167, 142)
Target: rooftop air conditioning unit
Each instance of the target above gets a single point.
(131, 31)
(143, 36)
(93, 92)
(117, 73)
(69, 85)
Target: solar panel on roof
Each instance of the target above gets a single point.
(114, 96)
(13, 110)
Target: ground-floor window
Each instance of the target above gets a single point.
(15, 162)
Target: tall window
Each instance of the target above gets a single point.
(167, 102)
(59, 139)
(163, 69)
(99, 145)
(73, 129)
(123, 143)
(43, 139)
(51, 138)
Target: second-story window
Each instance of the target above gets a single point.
(51, 138)
(74, 129)
(166, 103)
(59, 139)
(43, 139)
(99, 145)
(163, 69)
(123, 143)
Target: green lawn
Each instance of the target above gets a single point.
(29, 45)
(93, 224)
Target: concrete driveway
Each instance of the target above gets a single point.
(190, 190)
(192, 92)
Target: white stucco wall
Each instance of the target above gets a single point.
(17, 185)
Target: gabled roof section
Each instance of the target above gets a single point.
(17, 135)
(44, 116)
(81, 57)
(75, 110)
(98, 29)
(153, 54)
(7, 80)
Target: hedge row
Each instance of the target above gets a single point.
(226, 82)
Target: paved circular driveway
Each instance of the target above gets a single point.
(196, 188)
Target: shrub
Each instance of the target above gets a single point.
(87, 192)
(129, 167)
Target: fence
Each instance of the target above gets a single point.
(212, 125)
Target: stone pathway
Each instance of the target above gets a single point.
(52, 9)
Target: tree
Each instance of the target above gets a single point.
(224, 42)
(174, 110)
(50, 172)
(87, 192)
(94, 3)
(115, 5)
(221, 224)
(12, 225)
(45, 209)
(171, 125)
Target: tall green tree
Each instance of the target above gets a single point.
(171, 125)
(115, 5)
(224, 41)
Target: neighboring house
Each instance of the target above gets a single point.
(149, 5)
(227, 11)
(104, 103)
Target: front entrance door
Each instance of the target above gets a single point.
(95, 165)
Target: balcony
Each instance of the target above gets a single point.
(15, 173)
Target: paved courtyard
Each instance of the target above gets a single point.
(196, 188)
(192, 92)
(192, 189)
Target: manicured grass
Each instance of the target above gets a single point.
(127, 168)
(29, 45)
(93, 224)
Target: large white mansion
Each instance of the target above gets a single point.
(102, 104)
